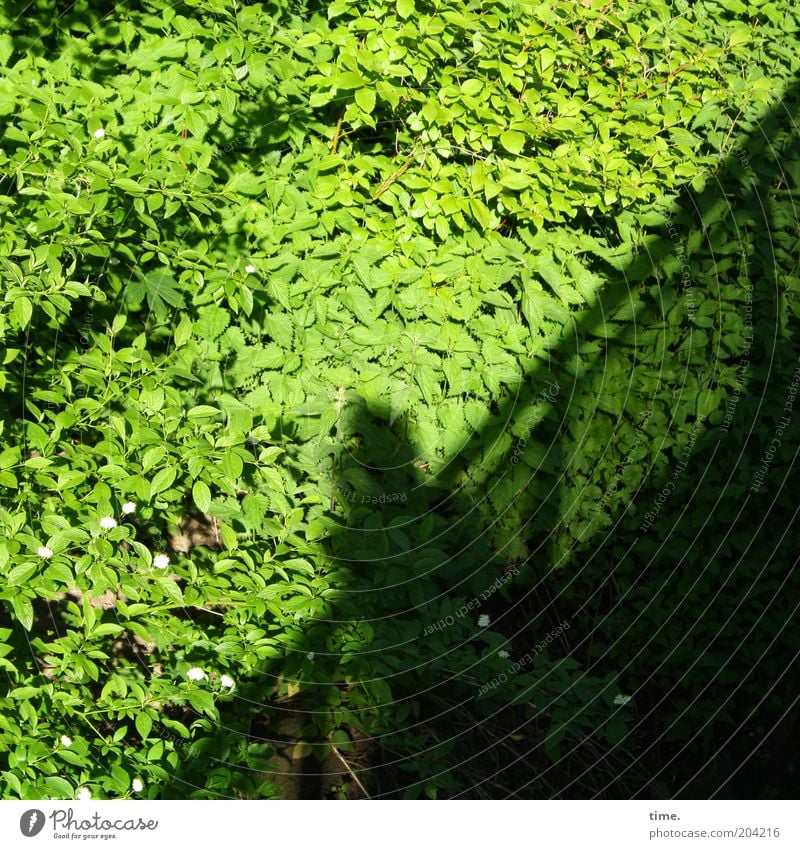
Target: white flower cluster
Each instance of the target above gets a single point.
(161, 561)
(198, 674)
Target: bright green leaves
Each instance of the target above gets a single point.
(588, 122)
(201, 495)
(546, 59)
(365, 98)
(245, 183)
(405, 8)
(284, 256)
(512, 141)
(23, 609)
(22, 311)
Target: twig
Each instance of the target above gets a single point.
(725, 141)
(397, 174)
(337, 134)
(352, 774)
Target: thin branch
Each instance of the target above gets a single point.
(337, 134)
(352, 774)
(397, 174)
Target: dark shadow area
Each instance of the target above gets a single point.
(686, 589)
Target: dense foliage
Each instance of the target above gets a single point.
(462, 328)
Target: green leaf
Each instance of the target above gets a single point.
(106, 628)
(405, 8)
(131, 187)
(59, 788)
(19, 574)
(183, 331)
(203, 411)
(6, 49)
(512, 141)
(231, 465)
(23, 311)
(171, 590)
(516, 182)
(245, 183)
(481, 212)
(202, 701)
(365, 98)
(23, 610)
(143, 724)
(162, 480)
(201, 495)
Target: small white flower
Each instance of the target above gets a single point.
(619, 699)
(44, 552)
(195, 674)
(250, 269)
(310, 655)
(138, 785)
(128, 507)
(503, 653)
(227, 681)
(66, 742)
(98, 134)
(161, 561)
(483, 620)
(84, 794)
(107, 523)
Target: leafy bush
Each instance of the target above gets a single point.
(268, 269)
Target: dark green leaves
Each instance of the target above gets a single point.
(160, 290)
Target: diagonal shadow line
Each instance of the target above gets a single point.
(611, 299)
